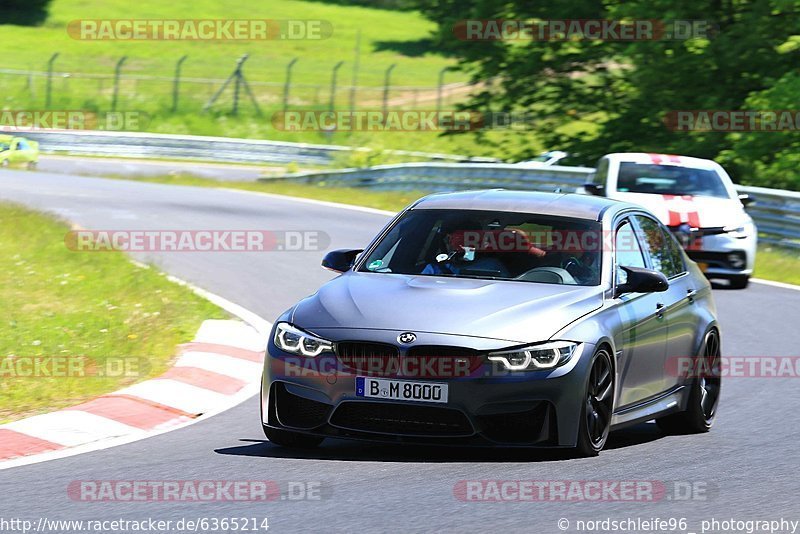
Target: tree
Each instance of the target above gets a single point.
(23, 12)
(624, 89)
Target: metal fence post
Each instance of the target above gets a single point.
(117, 70)
(288, 83)
(176, 83)
(332, 104)
(356, 62)
(386, 82)
(237, 82)
(49, 89)
(439, 90)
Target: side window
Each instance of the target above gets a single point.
(675, 252)
(653, 240)
(629, 253)
(661, 247)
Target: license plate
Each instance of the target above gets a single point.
(703, 266)
(404, 390)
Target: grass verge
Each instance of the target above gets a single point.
(80, 313)
(778, 264)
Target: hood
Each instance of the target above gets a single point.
(519, 312)
(698, 212)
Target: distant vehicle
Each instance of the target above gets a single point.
(499, 318)
(545, 159)
(18, 151)
(695, 198)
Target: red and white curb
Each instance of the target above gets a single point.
(217, 370)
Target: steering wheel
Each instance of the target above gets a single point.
(571, 264)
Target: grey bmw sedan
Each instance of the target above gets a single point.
(499, 318)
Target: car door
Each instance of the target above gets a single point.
(641, 342)
(15, 155)
(22, 152)
(679, 313)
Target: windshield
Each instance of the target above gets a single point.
(490, 245)
(669, 180)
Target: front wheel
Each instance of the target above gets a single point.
(704, 395)
(598, 405)
(293, 440)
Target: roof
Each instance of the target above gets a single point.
(662, 159)
(553, 204)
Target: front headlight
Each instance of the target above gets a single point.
(535, 357)
(740, 231)
(291, 339)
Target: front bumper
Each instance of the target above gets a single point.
(490, 406)
(723, 255)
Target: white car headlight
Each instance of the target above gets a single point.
(291, 339)
(535, 357)
(740, 231)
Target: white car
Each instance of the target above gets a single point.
(545, 159)
(695, 198)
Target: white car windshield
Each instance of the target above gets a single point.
(669, 180)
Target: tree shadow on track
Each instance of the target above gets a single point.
(343, 450)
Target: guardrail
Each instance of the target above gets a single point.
(218, 149)
(776, 212)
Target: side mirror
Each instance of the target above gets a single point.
(340, 260)
(642, 281)
(595, 189)
(746, 199)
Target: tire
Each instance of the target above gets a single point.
(31, 165)
(701, 409)
(598, 406)
(292, 440)
(739, 281)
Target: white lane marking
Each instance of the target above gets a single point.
(326, 203)
(261, 325)
(71, 427)
(221, 364)
(175, 394)
(782, 285)
(233, 334)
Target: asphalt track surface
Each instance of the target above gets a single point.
(747, 464)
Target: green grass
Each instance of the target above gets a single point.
(30, 48)
(99, 306)
(778, 264)
(387, 38)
